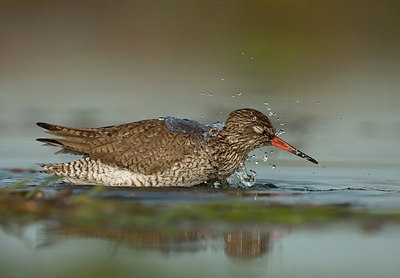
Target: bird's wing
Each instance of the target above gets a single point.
(146, 146)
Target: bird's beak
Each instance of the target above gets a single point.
(277, 142)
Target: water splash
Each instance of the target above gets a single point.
(242, 178)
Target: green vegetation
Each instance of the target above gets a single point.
(88, 209)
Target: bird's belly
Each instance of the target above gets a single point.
(187, 172)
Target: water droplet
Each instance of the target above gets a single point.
(218, 125)
(240, 93)
(210, 94)
(265, 157)
(269, 108)
(230, 140)
(256, 162)
(240, 128)
(202, 116)
(253, 119)
(270, 114)
(217, 184)
(278, 118)
(242, 52)
(222, 79)
(272, 151)
(280, 132)
(273, 166)
(251, 58)
(317, 102)
(297, 100)
(203, 93)
(161, 118)
(282, 124)
(233, 96)
(266, 103)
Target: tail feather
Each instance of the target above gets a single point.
(45, 125)
(74, 141)
(50, 142)
(68, 131)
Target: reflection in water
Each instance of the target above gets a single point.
(238, 242)
(247, 245)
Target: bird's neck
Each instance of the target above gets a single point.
(227, 152)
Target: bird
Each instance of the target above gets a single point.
(161, 152)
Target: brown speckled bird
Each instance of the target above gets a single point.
(162, 152)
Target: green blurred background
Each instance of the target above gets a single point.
(330, 69)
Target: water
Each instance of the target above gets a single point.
(326, 251)
(197, 248)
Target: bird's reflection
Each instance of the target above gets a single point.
(237, 242)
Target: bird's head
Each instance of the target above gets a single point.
(249, 129)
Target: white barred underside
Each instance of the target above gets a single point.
(93, 171)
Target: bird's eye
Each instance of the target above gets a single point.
(258, 129)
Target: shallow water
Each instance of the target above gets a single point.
(336, 250)
(328, 247)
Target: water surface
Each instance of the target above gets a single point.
(333, 223)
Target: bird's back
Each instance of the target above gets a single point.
(144, 153)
